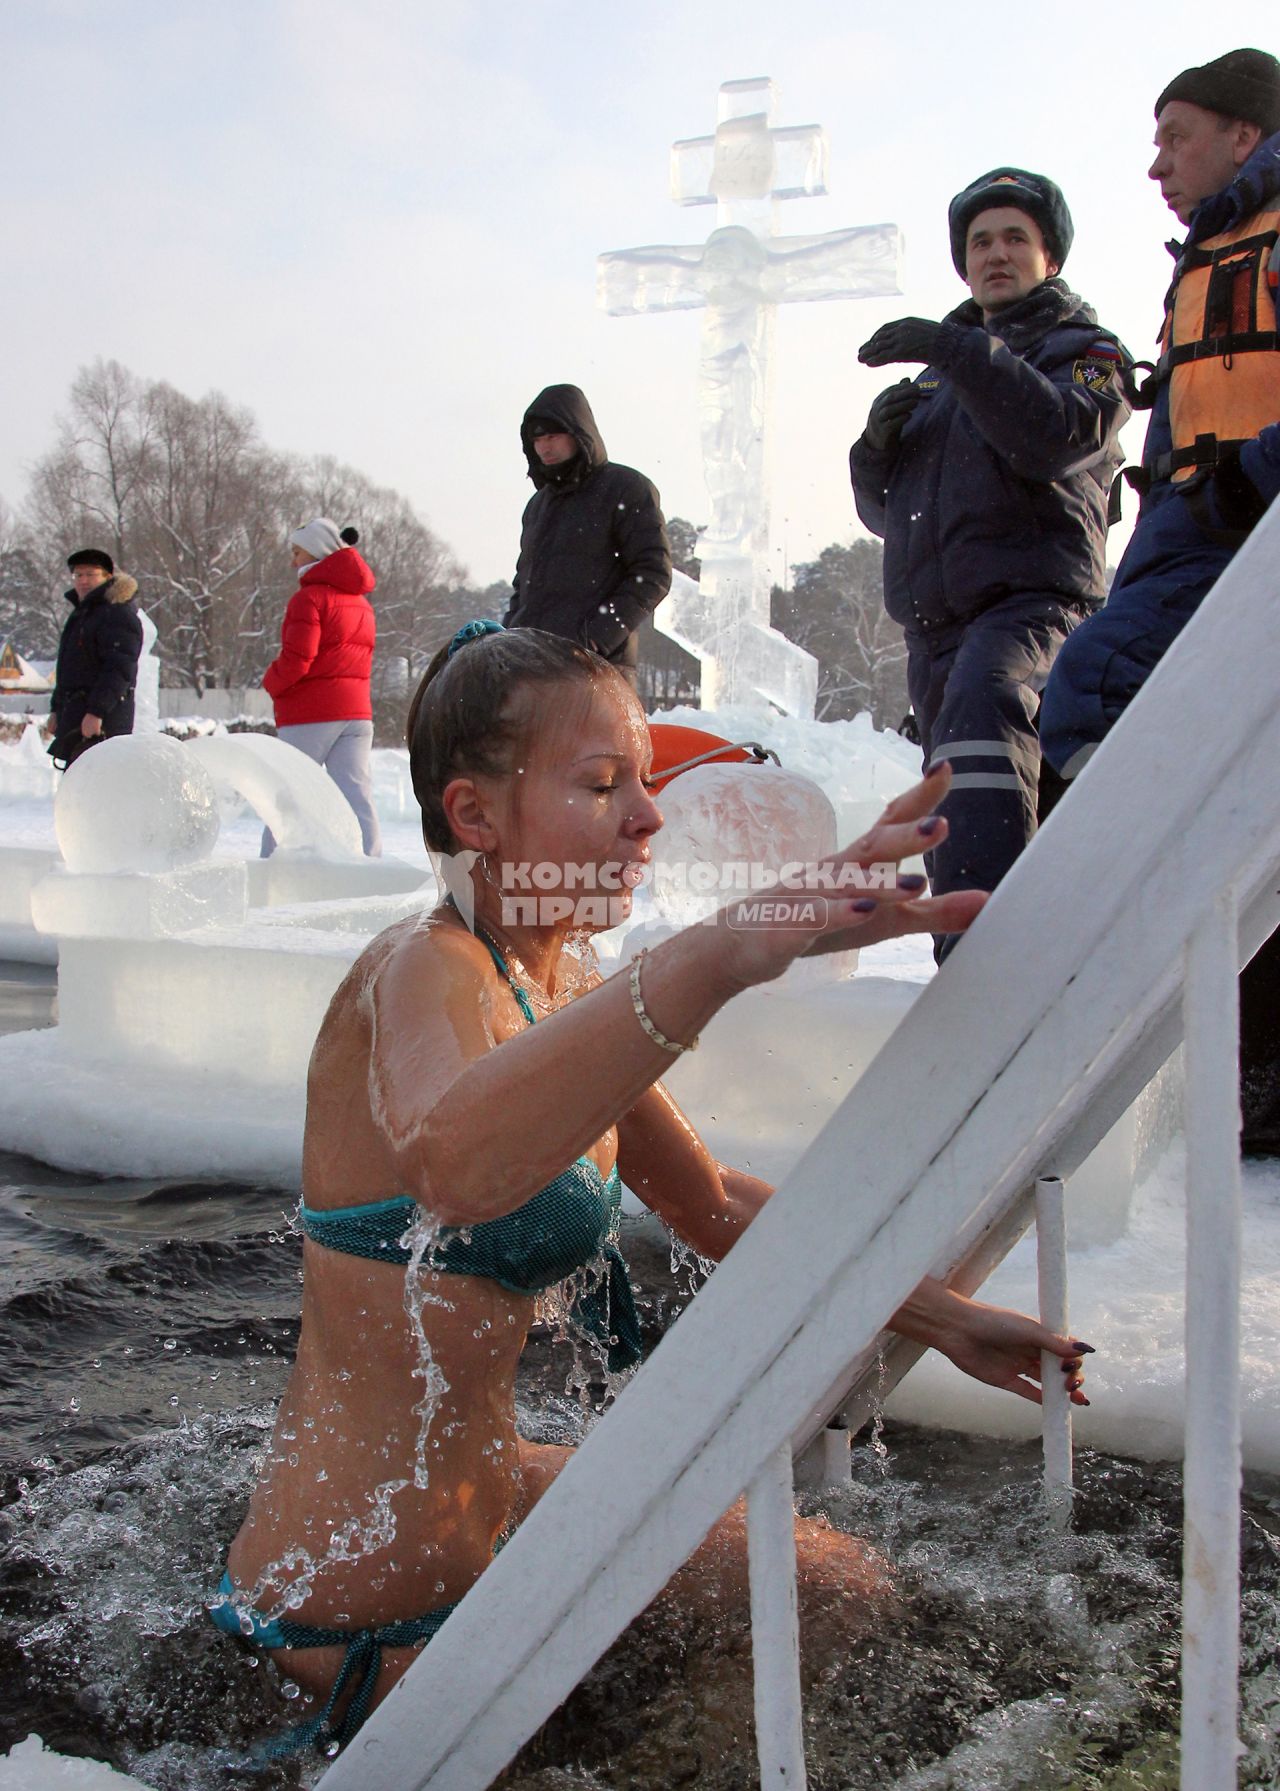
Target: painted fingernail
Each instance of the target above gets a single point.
(928, 826)
(865, 905)
(1085, 1349)
(913, 881)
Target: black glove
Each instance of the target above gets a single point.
(1224, 500)
(909, 339)
(1240, 503)
(888, 415)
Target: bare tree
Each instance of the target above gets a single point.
(29, 619)
(184, 494)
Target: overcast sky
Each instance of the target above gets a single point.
(376, 224)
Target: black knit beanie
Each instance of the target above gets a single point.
(1242, 84)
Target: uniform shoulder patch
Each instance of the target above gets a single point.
(1096, 371)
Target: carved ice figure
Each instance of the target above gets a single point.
(295, 797)
(146, 694)
(738, 278)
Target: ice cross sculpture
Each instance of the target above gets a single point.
(739, 277)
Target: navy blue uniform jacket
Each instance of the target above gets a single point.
(999, 483)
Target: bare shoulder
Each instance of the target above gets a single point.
(427, 965)
(410, 1014)
(404, 972)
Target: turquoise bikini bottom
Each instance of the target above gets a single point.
(361, 1662)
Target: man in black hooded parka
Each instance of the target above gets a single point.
(594, 557)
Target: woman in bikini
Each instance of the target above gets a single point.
(466, 1129)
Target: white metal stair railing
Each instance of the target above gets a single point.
(1049, 1019)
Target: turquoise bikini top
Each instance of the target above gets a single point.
(566, 1226)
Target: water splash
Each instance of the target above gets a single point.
(297, 1568)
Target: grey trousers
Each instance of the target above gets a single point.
(342, 747)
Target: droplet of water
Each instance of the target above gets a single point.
(288, 1689)
(171, 1343)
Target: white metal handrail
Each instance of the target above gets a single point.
(1004, 1080)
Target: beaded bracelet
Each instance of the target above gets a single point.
(637, 1002)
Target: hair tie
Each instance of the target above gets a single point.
(473, 631)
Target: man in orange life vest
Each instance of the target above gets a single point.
(1211, 464)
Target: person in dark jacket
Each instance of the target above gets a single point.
(594, 557)
(97, 673)
(1211, 462)
(988, 476)
(319, 680)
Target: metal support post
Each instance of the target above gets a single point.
(775, 1627)
(1051, 1273)
(828, 1459)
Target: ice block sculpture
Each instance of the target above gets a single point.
(739, 833)
(738, 278)
(738, 824)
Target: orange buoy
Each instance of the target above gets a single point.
(674, 746)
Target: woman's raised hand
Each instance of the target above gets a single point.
(858, 897)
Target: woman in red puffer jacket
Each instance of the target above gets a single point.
(319, 680)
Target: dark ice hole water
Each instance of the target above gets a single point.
(145, 1333)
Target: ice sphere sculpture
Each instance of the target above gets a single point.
(295, 797)
(738, 278)
(135, 803)
(726, 828)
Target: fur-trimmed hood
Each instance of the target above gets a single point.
(119, 588)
